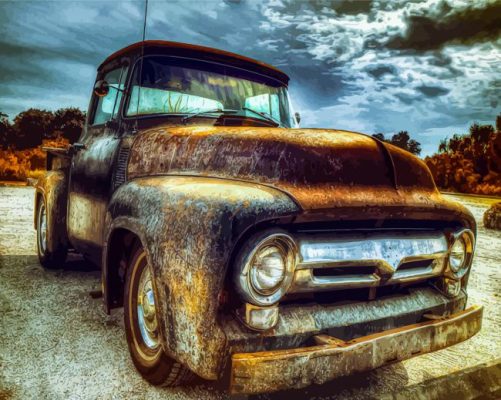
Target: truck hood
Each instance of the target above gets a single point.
(318, 168)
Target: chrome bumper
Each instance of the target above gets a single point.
(271, 371)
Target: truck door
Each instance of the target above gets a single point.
(92, 167)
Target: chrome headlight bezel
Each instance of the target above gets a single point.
(245, 276)
(466, 239)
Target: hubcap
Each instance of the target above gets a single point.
(146, 312)
(42, 231)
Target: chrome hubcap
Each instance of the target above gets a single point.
(42, 231)
(146, 312)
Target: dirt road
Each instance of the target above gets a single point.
(56, 342)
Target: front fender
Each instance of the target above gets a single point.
(189, 227)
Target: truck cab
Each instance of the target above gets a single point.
(241, 245)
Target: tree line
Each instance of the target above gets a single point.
(403, 140)
(468, 163)
(32, 126)
(21, 154)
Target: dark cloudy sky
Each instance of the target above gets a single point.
(429, 67)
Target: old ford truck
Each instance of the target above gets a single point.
(242, 246)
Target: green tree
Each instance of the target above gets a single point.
(481, 137)
(68, 123)
(5, 130)
(469, 163)
(31, 126)
(443, 147)
(403, 140)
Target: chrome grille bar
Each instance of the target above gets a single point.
(421, 255)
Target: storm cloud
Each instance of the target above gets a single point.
(432, 91)
(450, 26)
(427, 67)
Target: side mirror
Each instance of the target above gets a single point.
(298, 117)
(101, 88)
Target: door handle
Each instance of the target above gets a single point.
(76, 147)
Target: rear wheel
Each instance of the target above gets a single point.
(141, 326)
(49, 259)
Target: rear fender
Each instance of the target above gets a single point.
(52, 187)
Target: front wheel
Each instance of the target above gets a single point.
(141, 326)
(49, 259)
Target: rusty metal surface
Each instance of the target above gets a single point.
(189, 226)
(330, 171)
(296, 368)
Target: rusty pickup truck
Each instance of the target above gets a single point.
(241, 246)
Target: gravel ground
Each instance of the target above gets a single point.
(56, 342)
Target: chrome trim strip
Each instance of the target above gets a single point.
(386, 252)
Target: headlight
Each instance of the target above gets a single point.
(265, 268)
(461, 254)
(458, 255)
(268, 269)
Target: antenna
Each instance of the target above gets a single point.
(142, 59)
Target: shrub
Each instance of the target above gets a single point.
(492, 217)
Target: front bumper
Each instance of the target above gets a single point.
(271, 371)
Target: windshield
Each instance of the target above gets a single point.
(179, 86)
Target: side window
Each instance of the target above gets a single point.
(106, 108)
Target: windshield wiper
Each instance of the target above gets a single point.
(221, 111)
(264, 115)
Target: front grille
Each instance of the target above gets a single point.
(370, 259)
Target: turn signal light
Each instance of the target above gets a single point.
(260, 318)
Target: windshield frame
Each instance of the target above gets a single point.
(137, 64)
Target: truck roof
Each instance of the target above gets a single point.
(200, 52)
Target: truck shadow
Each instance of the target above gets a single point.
(76, 262)
(365, 385)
